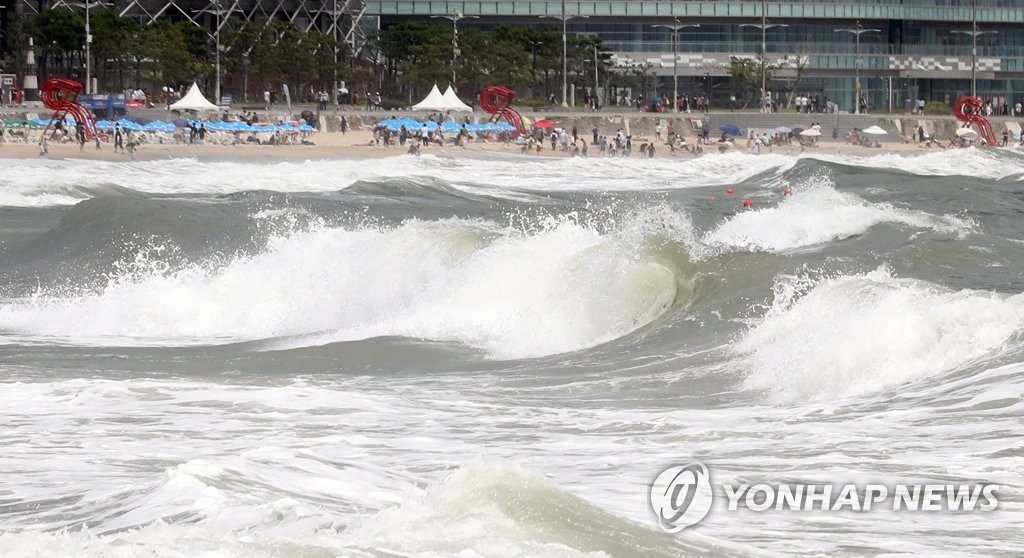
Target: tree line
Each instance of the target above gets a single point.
(402, 61)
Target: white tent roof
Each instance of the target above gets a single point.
(433, 101)
(193, 100)
(454, 103)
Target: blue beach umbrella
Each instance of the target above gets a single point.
(731, 129)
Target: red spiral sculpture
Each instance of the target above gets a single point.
(59, 95)
(974, 117)
(496, 101)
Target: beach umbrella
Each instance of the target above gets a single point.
(783, 130)
(543, 124)
(731, 129)
(810, 133)
(874, 131)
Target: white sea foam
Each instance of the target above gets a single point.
(863, 333)
(35, 183)
(818, 213)
(513, 294)
(61, 182)
(974, 162)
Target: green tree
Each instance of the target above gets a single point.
(747, 75)
(635, 76)
(111, 35)
(58, 34)
(281, 55)
(492, 58)
(428, 60)
(16, 36)
(161, 56)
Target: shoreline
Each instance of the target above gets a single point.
(356, 145)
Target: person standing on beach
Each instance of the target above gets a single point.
(118, 139)
(3, 132)
(44, 147)
(80, 135)
(344, 125)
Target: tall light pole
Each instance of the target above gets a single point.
(764, 26)
(858, 31)
(334, 27)
(88, 41)
(593, 44)
(88, 51)
(216, 39)
(675, 58)
(455, 37)
(974, 46)
(565, 53)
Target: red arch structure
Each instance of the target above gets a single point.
(974, 117)
(59, 95)
(497, 102)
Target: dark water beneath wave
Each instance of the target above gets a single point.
(438, 356)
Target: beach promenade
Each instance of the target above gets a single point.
(358, 141)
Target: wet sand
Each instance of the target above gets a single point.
(357, 144)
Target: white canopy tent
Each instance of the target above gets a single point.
(193, 100)
(454, 102)
(433, 101)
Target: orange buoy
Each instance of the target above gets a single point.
(748, 203)
(728, 190)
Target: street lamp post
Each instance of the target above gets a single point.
(565, 53)
(594, 40)
(334, 25)
(675, 58)
(764, 26)
(216, 39)
(974, 46)
(88, 41)
(88, 52)
(858, 31)
(455, 37)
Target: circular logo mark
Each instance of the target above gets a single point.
(681, 496)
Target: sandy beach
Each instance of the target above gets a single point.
(358, 144)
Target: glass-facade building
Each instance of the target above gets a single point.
(908, 49)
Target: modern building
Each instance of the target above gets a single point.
(908, 49)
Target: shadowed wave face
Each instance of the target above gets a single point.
(444, 356)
